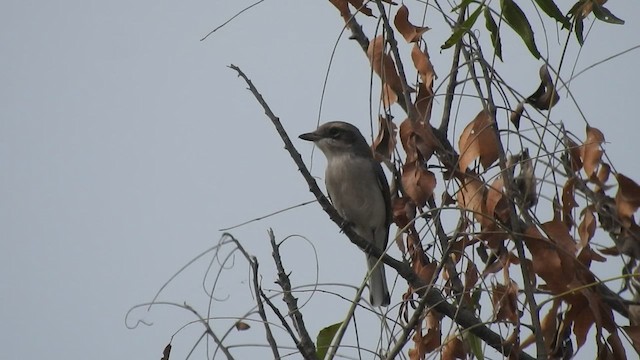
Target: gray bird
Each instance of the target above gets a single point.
(359, 191)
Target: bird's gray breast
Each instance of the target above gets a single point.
(355, 191)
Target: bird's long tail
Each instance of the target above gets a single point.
(378, 291)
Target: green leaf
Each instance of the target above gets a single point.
(550, 8)
(605, 15)
(475, 345)
(325, 336)
(494, 31)
(519, 23)
(460, 31)
(463, 5)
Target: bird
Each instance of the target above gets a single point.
(358, 189)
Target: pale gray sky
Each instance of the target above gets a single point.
(126, 143)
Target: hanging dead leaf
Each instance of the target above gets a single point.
(383, 65)
(516, 115)
(568, 202)
(410, 32)
(627, 198)
(166, 352)
(601, 180)
(633, 332)
(424, 103)
(505, 302)
(496, 203)
(453, 348)
(423, 64)
(404, 211)
(427, 343)
(546, 261)
(587, 6)
(573, 153)
(418, 182)
(587, 227)
(418, 140)
(546, 96)
(385, 142)
(471, 197)
(425, 271)
(479, 139)
(590, 152)
(548, 326)
(433, 337)
(242, 326)
(617, 349)
(582, 319)
(471, 277)
(343, 7)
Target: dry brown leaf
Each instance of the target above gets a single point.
(546, 96)
(389, 96)
(418, 182)
(617, 349)
(590, 152)
(404, 211)
(546, 261)
(383, 65)
(568, 202)
(418, 140)
(424, 344)
(587, 6)
(582, 318)
(633, 332)
(516, 115)
(166, 352)
(343, 7)
(385, 142)
(479, 140)
(627, 198)
(574, 153)
(566, 246)
(471, 197)
(424, 103)
(433, 339)
(410, 32)
(603, 175)
(587, 227)
(505, 302)
(496, 203)
(241, 325)
(548, 325)
(453, 348)
(423, 64)
(471, 277)
(587, 255)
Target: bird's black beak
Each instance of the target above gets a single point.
(312, 136)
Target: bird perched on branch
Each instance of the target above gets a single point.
(359, 191)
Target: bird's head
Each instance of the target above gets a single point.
(339, 138)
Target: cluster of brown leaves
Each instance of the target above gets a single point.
(561, 262)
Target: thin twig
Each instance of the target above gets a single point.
(308, 348)
(453, 81)
(231, 19)
(210, 332)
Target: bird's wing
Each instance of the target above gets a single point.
(386, 194)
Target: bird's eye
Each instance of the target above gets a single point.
(334, 133)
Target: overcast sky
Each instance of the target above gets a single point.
(126, 144)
